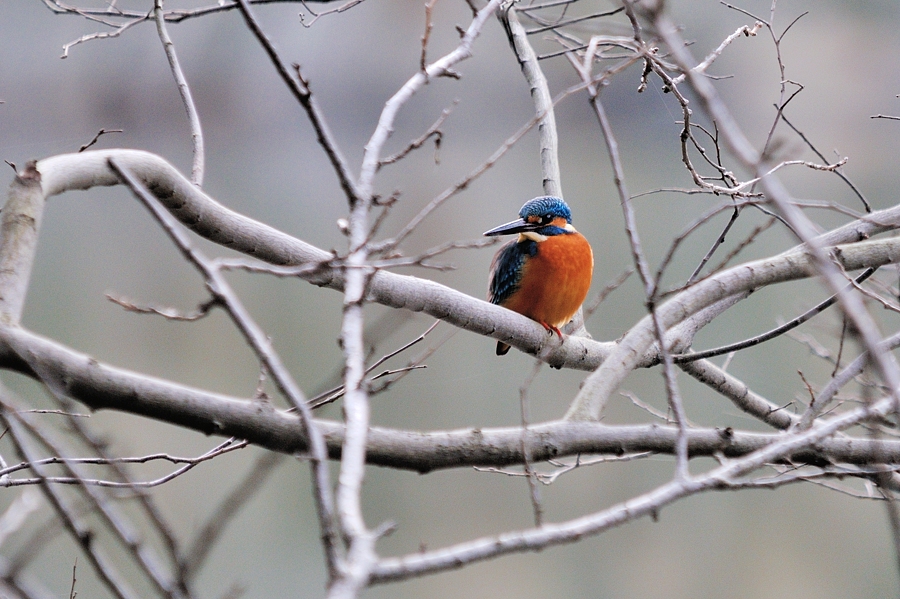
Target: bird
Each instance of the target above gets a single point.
(545, 273)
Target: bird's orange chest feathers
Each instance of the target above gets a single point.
(555, 281)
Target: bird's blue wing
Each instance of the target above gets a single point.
(506, 269)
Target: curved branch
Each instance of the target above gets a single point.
(771, 334)
(210, 219)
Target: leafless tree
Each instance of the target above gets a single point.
(833, 427)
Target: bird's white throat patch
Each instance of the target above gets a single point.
(532, 236)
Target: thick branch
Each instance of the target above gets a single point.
(725, 476)
(209, 219)
(629, 352)
(100, 386)
(21, 221)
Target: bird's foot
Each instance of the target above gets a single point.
(552, 329)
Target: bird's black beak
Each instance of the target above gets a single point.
(516, 226)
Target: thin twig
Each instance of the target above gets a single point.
(262, 346)
(681, 237)
(201, 311)
(223, 448)
(429, 7)
(81, 534)
(561, 24)
(316, 16)
(745, 30)
(792, 324)
(719, 241)
(72, 589)
(530, 475)
(607, 289)
(331, 395)
(104, 34)
(187, 99)
(97, 137)
(643, 270)
(299, 87)
(837, 172)
(745, 243)
(433, 131)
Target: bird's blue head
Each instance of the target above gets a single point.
(546, 209)
(545, 215)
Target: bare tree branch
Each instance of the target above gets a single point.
(835, 427)
(76, 527)
(186, 97)
(720, 478)
(851, 303)
(299, 87)
(19, 227)
(262, 346)
(540, 95)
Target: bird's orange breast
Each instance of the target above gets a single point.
(555, 280)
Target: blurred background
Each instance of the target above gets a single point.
(262, 160)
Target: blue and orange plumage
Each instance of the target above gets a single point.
(546, 272)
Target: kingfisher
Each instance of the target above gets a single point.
(546, 272)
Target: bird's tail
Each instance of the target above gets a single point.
(502, 348)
